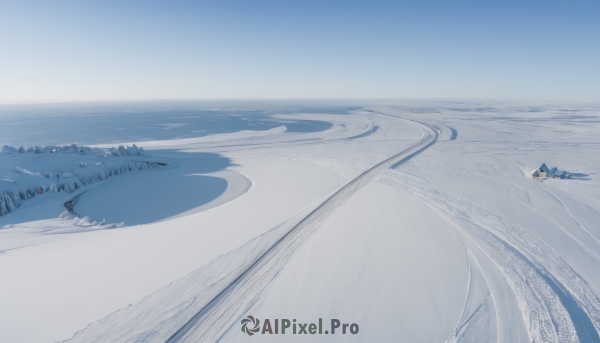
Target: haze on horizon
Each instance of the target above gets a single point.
(111, 50)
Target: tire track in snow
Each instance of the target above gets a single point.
(571, 214)
(555, 303)
(218, 316)
(587, 249)
(473, 266)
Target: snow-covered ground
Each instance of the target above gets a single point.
(416, 220)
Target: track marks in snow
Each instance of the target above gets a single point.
(478, 320)
(178, 301)
(218, 316)
(447, 133)
(571, 215)
(552, 221)
(554, 302)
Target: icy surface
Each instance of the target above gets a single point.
(454, 243)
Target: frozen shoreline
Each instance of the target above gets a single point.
(437, 247)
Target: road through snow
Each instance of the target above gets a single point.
(210, 323)
(457, 245)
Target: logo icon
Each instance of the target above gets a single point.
(253, 321)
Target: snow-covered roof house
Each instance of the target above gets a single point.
(544, 171)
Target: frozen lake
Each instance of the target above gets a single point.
(113, 123)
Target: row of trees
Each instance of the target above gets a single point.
(133, 150)
(11, 200)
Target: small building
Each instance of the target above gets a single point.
(544, 172)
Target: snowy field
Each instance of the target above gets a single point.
(416, 220)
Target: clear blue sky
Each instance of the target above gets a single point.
(117, 50)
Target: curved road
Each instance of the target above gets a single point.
(210, 323)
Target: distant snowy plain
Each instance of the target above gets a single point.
(417, 220)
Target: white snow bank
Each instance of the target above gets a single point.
(159, 314)
(220, 137)
(151, 197)
(60, 287)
